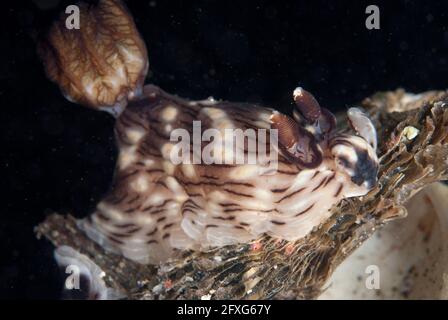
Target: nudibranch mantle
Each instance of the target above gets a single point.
(156, 206)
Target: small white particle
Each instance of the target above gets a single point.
(157, 288)
(410, 132)
(168, 128)
(206, 297)
(297, 92)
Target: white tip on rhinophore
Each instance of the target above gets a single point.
(297, 92)
(354, 111)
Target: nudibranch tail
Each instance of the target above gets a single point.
(103, 64)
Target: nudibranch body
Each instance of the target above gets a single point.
(156, 205)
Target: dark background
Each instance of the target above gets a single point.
(57, 156)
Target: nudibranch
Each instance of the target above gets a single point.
(156, 205)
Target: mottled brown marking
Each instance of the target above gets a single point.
(151, 233)
(116, 200)
(184, 211)
(119, 235)
(132, 209)
(101, 216)
(233, 210)
(113, 239)
(338, 191)
(238, 193)
(291, 194)
(133, 199)
(230, 218)
(289, 173)
(215, 184)
(280, 190)
(162, 184)
(124, 226)
(223, 204)
(209, 177)
(248, 209)
(319, 185)
(167, 226)
(329, 179)
(130, 174)
(131, 231)
(304, 211)
(157, 211)
(155, 171)
(192, 203)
